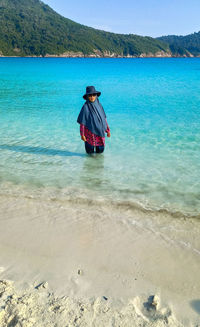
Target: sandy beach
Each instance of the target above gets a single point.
(70, 262)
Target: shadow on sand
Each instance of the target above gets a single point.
(195, 304)
(41, 151)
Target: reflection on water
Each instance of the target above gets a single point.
(92, 174)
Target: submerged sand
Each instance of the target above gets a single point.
(103, 263)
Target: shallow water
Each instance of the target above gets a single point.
(153, 109)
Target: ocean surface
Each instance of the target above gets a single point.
(152, 159)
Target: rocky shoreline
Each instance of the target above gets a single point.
(106, 54)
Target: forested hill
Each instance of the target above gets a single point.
(29, 27)
(180, 45)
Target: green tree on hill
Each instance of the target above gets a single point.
(29, 27)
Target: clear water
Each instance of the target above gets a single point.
(153, 109)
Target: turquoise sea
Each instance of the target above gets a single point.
(152, 159)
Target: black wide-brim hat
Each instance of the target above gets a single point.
(91, 90)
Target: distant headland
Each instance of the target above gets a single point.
(30, 28)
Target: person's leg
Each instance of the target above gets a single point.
(89, 148)
(99, 149)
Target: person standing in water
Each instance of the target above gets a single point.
(93, 123)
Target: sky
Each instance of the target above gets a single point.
(143, 17)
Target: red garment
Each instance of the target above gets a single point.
(91, 138)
